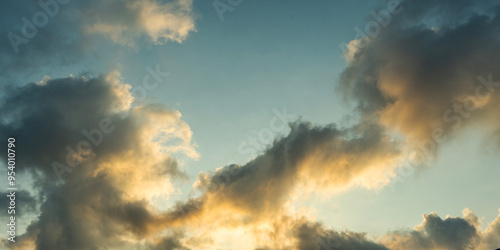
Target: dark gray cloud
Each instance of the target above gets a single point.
(424, 76)
(39, 35)
(324, 156)
(301, 233)
(87, 214)
(100, 200)
(48, 119)
(170, 242)
(434, 233)
(314, 236)
(456, 233)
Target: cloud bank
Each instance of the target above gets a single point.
(431, 73)
(108, 153)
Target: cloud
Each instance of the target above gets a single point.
(319, 156)
(450, 233)
(125, 22)
(313, 235)
(312, 158)
(52, 116)
(69, 33)
(434, 233)
(115, 159)
(172, 241)
(430, 72)
(301, 233)
(491, 235)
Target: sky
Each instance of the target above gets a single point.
(238, 124)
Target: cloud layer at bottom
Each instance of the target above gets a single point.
(115, 159)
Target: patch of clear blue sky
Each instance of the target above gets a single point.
(228, 77)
